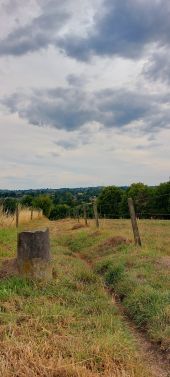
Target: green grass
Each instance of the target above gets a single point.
(80, 240)
(139, 276)
(68, 327)
(7, 242)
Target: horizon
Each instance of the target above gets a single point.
(84, 98)
(78, 187)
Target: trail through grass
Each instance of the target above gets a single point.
(70, 327)
(140, 276)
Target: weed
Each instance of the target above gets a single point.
(114, 274)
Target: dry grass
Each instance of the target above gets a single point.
(66, 328)
(24, 217)
(70, 327)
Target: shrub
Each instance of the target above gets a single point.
(59, 211)
(114, 274)
(43, 202)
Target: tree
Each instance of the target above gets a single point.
(162, 199)
(142, 196)
(68, 199)
(123, 208)
(109, 201)
(43, 202)
(27, 201)
(59, 211)
(9, 206)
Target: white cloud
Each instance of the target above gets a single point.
(91, 155)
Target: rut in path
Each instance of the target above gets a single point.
(151, 355)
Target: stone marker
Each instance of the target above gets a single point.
(33, 254)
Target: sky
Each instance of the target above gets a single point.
(84, 93)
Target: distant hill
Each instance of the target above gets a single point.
(86, 192)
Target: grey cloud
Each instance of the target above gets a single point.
(121, 27)
(72, 108)
(75, 80)
(60, 108)
(124, 28)
(122, 107)
(40, 33)
(77, 139)
(55, 154)
(148, 146)
(67, 144)
(10, 6)
(158, 67)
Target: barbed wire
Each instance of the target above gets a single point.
(138, 214)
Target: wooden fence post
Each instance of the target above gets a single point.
(74, 214)
(85, 214)
(17, 215)
(32, 211)
(78, 215)
(96, 213)
(134, 222)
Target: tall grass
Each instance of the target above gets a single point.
(24, 217)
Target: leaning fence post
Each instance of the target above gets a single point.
(96, 213)
(17, 215)
(85, 213)
(134, 222)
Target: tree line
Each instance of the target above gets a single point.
(112, 201)
(150, 202)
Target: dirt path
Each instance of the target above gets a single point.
(156, 361)
(151, 355)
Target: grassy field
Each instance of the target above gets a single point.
(71, 327)
(24, 217)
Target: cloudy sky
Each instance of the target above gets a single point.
(84, 92)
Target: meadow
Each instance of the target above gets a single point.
(105, 313)
(24, 217)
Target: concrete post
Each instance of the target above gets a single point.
(33, 254)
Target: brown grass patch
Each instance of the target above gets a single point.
(164, 262)
(29, 360)
(8, 268)
(77, 226)
(95, 234)
(113, 242)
